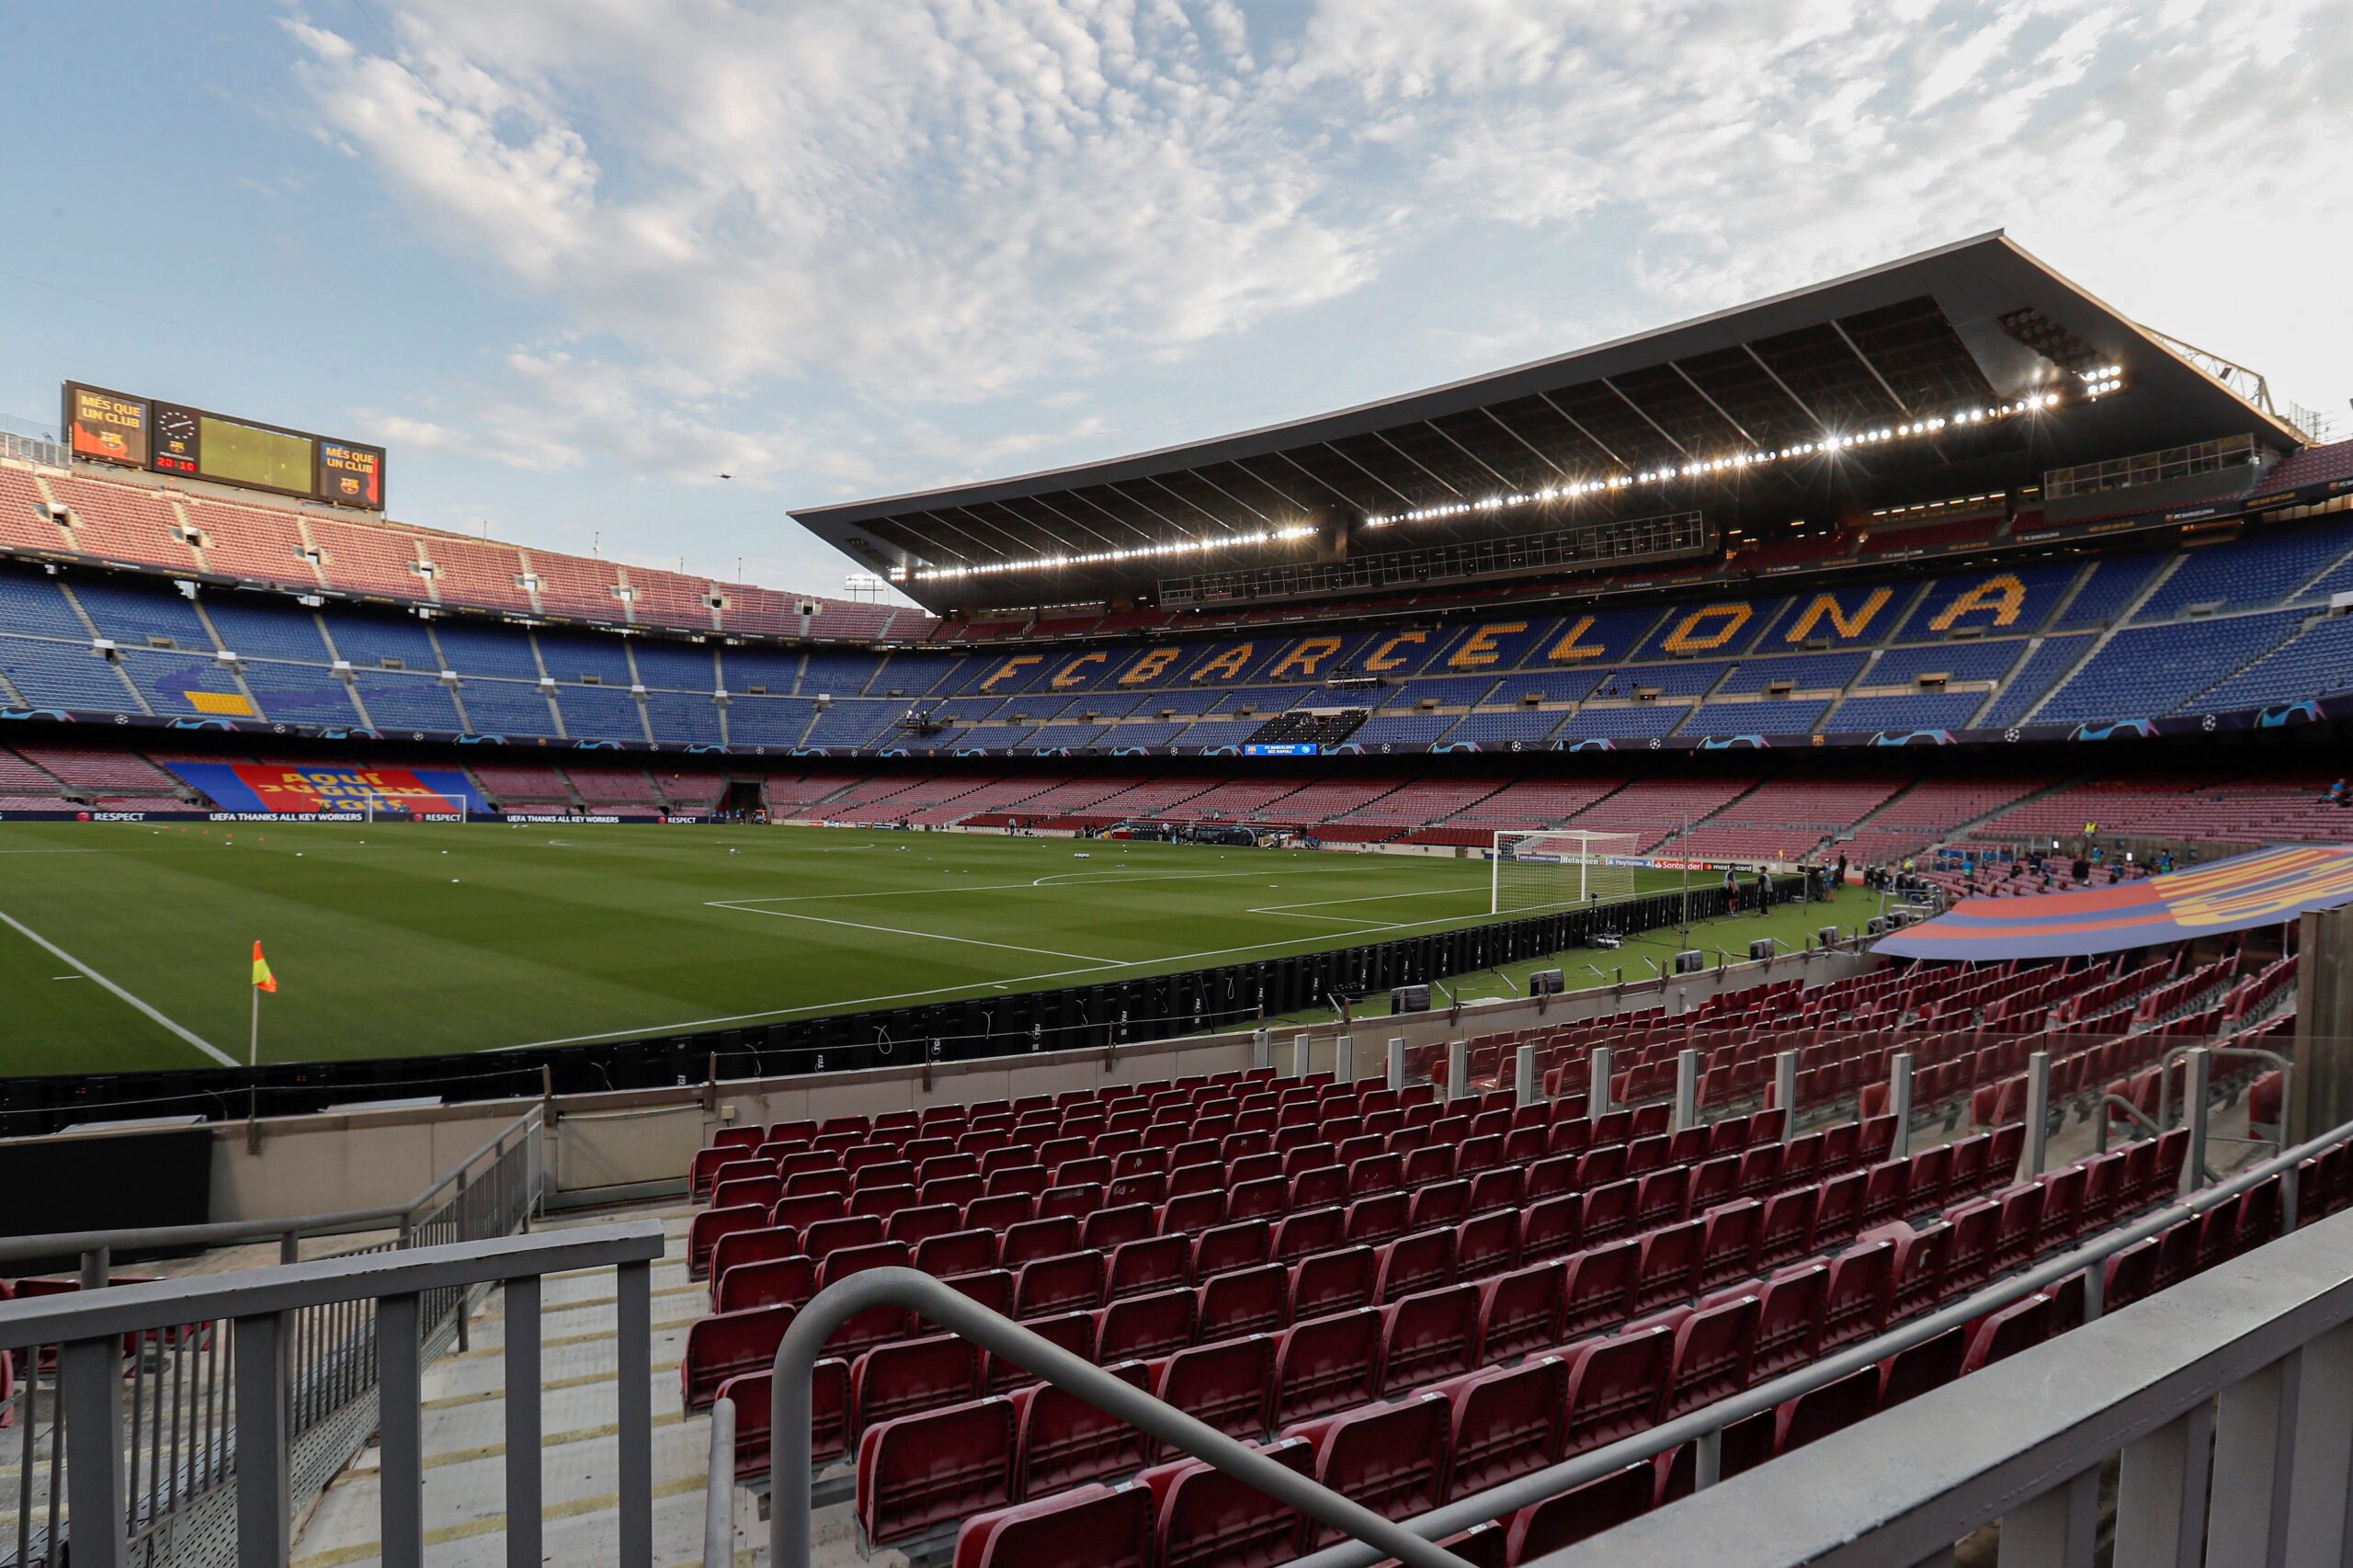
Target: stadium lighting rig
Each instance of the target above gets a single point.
(2106, 379)
(1103, 557)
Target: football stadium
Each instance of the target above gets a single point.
(1732, 946)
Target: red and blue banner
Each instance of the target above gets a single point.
(288, 791)
(2262, 889)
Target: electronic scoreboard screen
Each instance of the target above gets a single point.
(237, 453)
(171, 438)
(106, 427)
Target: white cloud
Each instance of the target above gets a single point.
(833, 247)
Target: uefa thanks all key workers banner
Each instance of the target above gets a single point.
(2261, 889)
(305, 792)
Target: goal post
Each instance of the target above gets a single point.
(1534, 870)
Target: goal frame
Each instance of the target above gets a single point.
(1583, 849)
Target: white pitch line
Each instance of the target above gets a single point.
(923, 935)
(845, 1003)
(59, 953)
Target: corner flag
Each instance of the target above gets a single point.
(263, 979)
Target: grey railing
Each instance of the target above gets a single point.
(2222, 1401)
(91, 1329)
(804, 1343)
(1372, 1537)
(182, 1379)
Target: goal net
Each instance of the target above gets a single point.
(1558, 868)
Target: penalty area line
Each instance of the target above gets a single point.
(63, 956)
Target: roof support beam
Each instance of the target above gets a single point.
(1645, 418)
(1469, 453)
(1581, 430)
(1787, 391)
(1524, 441)
(1712, 402)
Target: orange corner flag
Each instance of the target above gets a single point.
(263, 979)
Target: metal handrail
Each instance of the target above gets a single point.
(790, 1483)
(227, 1231)
(1706, 1426)
(1375, 1539)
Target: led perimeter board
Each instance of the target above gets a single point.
(173, 437)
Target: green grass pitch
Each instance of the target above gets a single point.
(125, 945)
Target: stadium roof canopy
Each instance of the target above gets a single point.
(1973, 366)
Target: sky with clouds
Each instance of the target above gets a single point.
(571, 260)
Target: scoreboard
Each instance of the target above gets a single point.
(171, 437)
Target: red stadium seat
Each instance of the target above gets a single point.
(911, 1375)
(1421, 1261)
(1614, 1387)
(1208, 1519)
(1789, 1322)
(1334, 1281)
(1598, 1288)
(1090, 1526)
(1249, 1301)
(1519, 1312)
(1506, 1422)
(1390, 1458)
(921, 1471)
(1153, 1263)
(775, 1283)
(1074, 1332)
(726, 1344)
(751, 1395)
(762, 1245)
(1558, 1523)
(1999, 1336)
(1048, 1285)
(1668, 1264)
(1327, 1364)
(826, 1237)
(1222, 1384)
(1064, 1441)
(704, 1230)
(1145, 1325)
(1713, 1348)
(1427, 1337)
(1854, 1306)
(1034, 1239)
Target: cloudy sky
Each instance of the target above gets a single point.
(571, 260)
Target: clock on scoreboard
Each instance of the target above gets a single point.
(171, 437)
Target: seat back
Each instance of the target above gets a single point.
(1061, 1441)
(771, 1282)
(1506, 1422)
(909, 1375)
(1150, 1325)
(1208, 1519)
(726, 1344)
(920, 1472)
(1614, 1388)
(1429, 1335)
(1329, 1363)
(1223, 1385)
(1598, 1292)
(1089, 1526)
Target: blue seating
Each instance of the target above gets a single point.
(2042, 666)
(1501, 729)
(676, 666)
(2148, 670)
(507, 708)
(569, 656)
(2312, 664)
(853, 722)
(1960, 661)
(1229, 733)
(298, 694)
(1804, 672)
(62, 675)
(1770, 718)
(683, 716)
(35, 606)
(2110, 589)
(166, 679)
(407, 702)
(472, 649)
(131, 615)
(1638, 722)
(768, 720)
(1693, 679)
(2260, 570)
(255, 627)
(1930, 710)
(600, 714)
(1052, 737)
